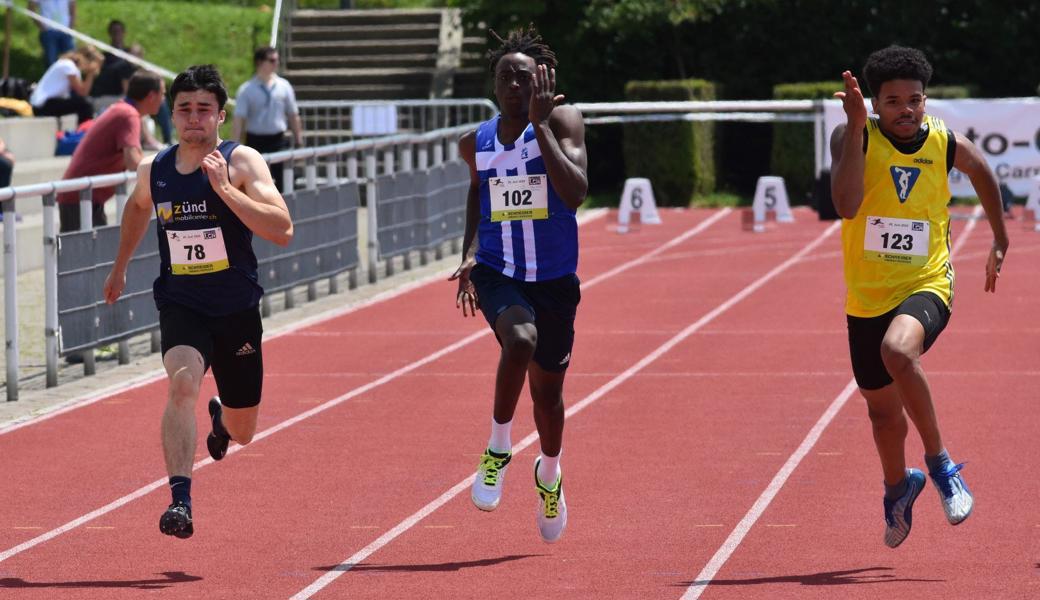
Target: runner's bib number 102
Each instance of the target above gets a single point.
(519, 198)
(899, 241)
(197, 251)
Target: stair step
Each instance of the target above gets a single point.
(362, 47)
(326, 32)
(373, 61)
(364, 17)
(333, 77)
(362, 92)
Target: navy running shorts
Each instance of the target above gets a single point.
(230, 344)
(866, 335)
(553, 303)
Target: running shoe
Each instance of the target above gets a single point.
(956, 498)
(899, 512)
(218, 439)
(176, 521)
(552, 508)
(491, 474)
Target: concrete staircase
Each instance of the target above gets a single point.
(382, 55)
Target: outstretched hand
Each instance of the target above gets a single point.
(543, 95)
(852, 101)
(466, 297)
(993, 264)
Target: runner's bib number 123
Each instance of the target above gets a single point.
(197, 251)
(899, 241)
(519, 198)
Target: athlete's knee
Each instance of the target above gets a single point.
(899, 357)
(183, 386)
(521, 340)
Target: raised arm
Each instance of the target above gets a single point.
(969, 160)
(252, 196)
(847, 158)
(560, 131)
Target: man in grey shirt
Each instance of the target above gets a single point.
(265, 108)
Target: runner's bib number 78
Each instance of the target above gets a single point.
(899, 241)
(519, 198)
(197, 251)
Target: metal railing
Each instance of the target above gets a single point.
(332, 122)
(430, 158)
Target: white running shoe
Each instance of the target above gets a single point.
(487, 484)
(957, 499)
(552, 507)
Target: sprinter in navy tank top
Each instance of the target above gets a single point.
(520, 253)
(209, 197)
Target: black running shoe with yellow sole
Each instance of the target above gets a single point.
(218, 439)
(176, 521)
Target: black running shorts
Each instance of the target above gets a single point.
(866, 335)
(230, 344)
(554, 304)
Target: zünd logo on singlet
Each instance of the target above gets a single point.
(904, 179)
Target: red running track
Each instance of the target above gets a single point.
(666, 450)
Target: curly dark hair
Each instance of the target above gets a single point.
(896, 62)
(200, 77)
(525, 41)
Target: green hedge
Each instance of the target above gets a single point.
(676, 156)
(792, 155)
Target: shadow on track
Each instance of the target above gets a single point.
(169, 578)
(436, 567)
(850, 577)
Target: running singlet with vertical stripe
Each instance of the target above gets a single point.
(206, 253)
(898, 244)
(526, 232)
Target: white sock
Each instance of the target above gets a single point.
(549, 470)
(500, 441)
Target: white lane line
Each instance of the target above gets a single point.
(606, 388)
(330, 404)
(152, 376)
(703, 579)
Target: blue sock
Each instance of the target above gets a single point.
(939, 462)
(898, 490)
(180, 487)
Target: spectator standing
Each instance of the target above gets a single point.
(62, 90)
(265, 108)
(111, 145)
(55, 42)
(111, 83)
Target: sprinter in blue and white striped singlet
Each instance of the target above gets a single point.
(527, 178)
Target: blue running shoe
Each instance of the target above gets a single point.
(956, 498)
(899, 512)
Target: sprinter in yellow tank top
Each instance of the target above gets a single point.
(889, 184)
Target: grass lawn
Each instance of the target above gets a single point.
(174, 34)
